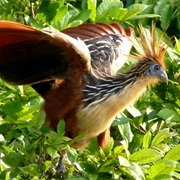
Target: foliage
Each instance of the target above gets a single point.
(146, 136)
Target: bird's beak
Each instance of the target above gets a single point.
(162, 76)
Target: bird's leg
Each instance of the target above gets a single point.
(60, 167)
(104, 138)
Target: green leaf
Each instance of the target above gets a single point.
(136, 141)
(163, 177)
(169, 114)
(147, 139)
(107, 4)
(162, 147)
(121, 120)
(83, 15)
(174, 153)
(47, 165)
(93, 176)
(11, 108)
(61, 3)
(146, 16)
(77, 138)
(123, 161)
(93, 145)
(40, 119)
(56, 141)
(61, 127)
(8, 149)
(166, 16)
(177, 168)
(125, 130)
(134, 169)
(74, 23)
(72, 155)
(42, 11)
(34, 23)
(64, 21)
(145, 156)
(177, 175)
(107, 165)
(160, 168)
(177, 45)
(51, 11)
(32, 169)
(134, 10)
(92, 8)
(61, 12)
(161, 136)
(118, 150)
(88, 166)
(52, 152)
(120, 13)
(109, 146)
(14, 159)
(158, 6)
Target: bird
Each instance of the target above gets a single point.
(76, 72)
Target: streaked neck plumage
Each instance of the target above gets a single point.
(98, 89)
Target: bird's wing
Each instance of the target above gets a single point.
(89, 30)
(109, 44)
(28, 56)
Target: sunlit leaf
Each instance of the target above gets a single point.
(161, 136)
(74, 23)
(160, 168)
(92, 7)
(146, 16)
(147, 139)
(145, 156)
(47, 165)
(177, 45)
(61, 12)
(174, 153)
(134, 10)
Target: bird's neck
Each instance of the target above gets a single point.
(133, 83)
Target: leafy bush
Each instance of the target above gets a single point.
(146, 137)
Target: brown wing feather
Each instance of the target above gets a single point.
(28, 56)
(88, 31)
(25, 54)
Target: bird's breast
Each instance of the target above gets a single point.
(95, 119)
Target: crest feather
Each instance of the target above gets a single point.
(149, 47)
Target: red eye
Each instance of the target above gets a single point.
(156, 67)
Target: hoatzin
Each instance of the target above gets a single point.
(75, 71)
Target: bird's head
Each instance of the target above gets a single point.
(150, 52)
(157, 71)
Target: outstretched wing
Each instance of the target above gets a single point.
(28, 56)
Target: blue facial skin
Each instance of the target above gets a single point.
(157, 71)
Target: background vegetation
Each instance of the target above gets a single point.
(146, 137)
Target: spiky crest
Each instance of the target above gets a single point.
(149, 47)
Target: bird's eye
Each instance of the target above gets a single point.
(156, 67)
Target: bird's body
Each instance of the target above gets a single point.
(76, 73)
